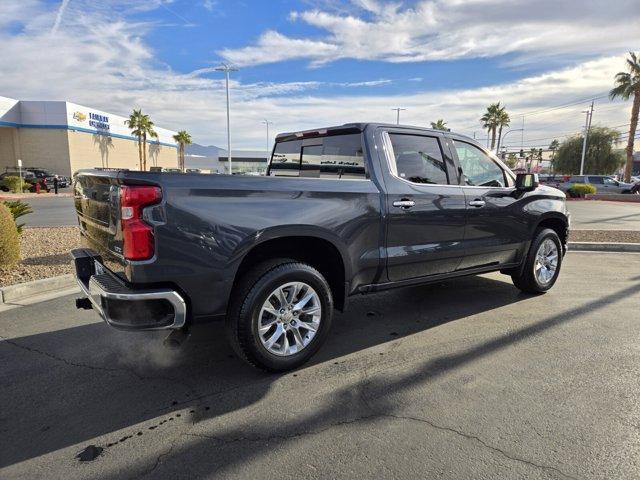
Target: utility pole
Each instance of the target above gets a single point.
(398, 110)
(226, 68)
(587, 126)
(267, 123)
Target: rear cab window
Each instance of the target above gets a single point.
(338, 157)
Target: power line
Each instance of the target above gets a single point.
(569, 134)
(563, 105)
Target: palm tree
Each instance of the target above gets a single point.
(490, 121)
(146, 127)
(503, 120)
(627, 84)
(440, 125)
(134, 123)
(182, 138)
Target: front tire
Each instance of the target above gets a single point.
(280, 315)
(542, 264)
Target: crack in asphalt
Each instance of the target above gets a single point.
(224, 442)
(159, 459)
(481, 441)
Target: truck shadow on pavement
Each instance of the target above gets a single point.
(69, 386)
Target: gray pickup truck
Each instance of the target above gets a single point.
(342, 211)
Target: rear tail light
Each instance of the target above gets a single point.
(137, 235)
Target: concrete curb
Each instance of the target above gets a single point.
(603, 247)
(20, 291)
(614, 197)
(29, 196)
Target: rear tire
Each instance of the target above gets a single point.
(542, 264)
(263, 326)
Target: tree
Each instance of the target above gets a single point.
(490, 121)
(146, 127)
(182, 138)
(533, 155)
(627, 85)
(512, 160)
(496, 117)
(600, 158)
(503, 120)
(553, 146)
(134, 123)
(440, 125)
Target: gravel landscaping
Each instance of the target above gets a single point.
(606, 236)
(44, 253)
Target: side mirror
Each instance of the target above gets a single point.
(526, 182)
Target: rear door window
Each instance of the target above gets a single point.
(418, 159)
(596, 180)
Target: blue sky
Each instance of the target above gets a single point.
(305, 64)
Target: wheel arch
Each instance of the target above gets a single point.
(558, 223)
(317, 249)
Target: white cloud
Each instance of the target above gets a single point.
(102, 60)
(447, 30)
(209, 5)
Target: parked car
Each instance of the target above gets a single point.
(553, 180)
(27, 176)
(603, 183)
(342, 211)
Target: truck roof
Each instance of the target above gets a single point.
(356, 127)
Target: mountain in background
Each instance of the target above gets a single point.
(205, 151)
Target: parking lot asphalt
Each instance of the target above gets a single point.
(602, 215)
(50, 211)
(464, 379)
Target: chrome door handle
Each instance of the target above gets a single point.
(405, 204)
(476, 203)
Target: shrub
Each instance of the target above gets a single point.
(9, 243)
(13, 184)
(18, 209)
(582, 189)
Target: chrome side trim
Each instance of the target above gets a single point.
(94, 292)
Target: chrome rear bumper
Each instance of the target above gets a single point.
(121, 306)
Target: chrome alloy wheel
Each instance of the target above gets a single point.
(546, 262)
(289, 318)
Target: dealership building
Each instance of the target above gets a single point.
(63, 137)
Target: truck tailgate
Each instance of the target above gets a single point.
(96, 199)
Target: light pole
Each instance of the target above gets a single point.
(226, 68)
(398, 110)
(267, 123)
(501, 142)
(587, 126)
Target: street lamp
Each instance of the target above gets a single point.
(226, 68)
(267, 123)
(501, 141)
(398, 110)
